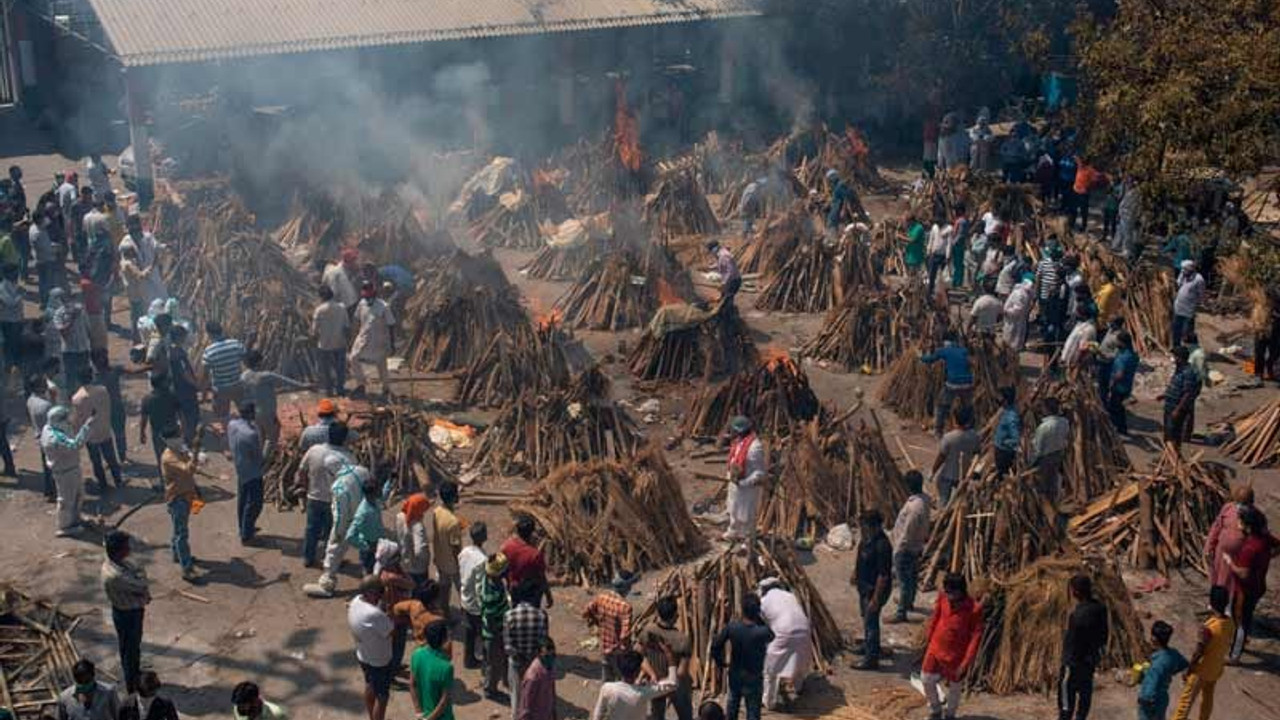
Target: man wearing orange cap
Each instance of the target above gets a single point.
(343, 278)
(326, 415)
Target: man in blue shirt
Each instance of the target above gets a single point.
(1153, 694)
(1123, 369)
(959, 378)
(222, 360)
(1008, 437)
(245, 444)
(1179, 399)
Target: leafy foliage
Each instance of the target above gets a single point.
(1172, 86)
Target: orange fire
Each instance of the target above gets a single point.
(857, 145)
(543, 318)
(626, 131)
(667, 295)
(775, 357)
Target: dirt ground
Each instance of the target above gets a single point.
(248, 618)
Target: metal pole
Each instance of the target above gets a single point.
(139, 136)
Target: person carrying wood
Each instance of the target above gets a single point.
(746, 475)
(951, 640)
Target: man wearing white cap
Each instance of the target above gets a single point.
(790, 654)
(746, 478)
(1191, 288)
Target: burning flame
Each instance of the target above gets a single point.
(857, 145)
(667, 295)
(550, 320)
(626, 133)
(775, 357)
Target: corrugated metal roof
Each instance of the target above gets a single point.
(154, 32)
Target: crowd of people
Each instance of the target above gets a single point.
(416, 565)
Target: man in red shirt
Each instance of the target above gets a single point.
(952, 635)
(524, 559)
(1249, 566)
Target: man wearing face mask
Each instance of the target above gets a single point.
(538, 689)
(88, 698)
(62, 455)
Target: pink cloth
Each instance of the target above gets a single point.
(537, 694)
(1224, 538)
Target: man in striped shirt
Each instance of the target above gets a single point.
(1049, 294)
(222, 360)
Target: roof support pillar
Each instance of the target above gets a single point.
(139, 135)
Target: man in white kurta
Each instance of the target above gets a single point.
(1017, 313)
(747, 472)
(374, 339)
(790, 655)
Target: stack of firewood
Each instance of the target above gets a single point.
(538, 432)
(1160, 518)
(810, 493)
(819, 276)
(775, 241)
(872, 328)
(873, 479)
(391, 435)
(511, 223)
(596, 178)
(1257, 440)
(1021, 645)
(774, 394)
(244, 281)
(571, 261)
(1148, 292)
(913, 388)
(600, 517)
(991, 528)
(39, 655)
(1096, 460)
(712, 345)
(888, 240)
(710, 595)
(457, 310)
(623, 289)
(678, 205)
(519, 360)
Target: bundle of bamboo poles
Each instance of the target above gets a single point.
(540, 359)
(809, 495)
(382, 227)
(178, 213)
(270, 311)
(281, 485)
(871, 327)
(511, 223)
(1148, 292)
(710, 595)
(1021, 645)
(991, 528)
(36, 655)
(1257, 440)
(538, 432)
(912, 388)
(813, 151)
(873, 480)
(596, 178)
(400, 437)
(678, 205)
(713, 345)
(775, 241)
(314, 222)
(1160, 518)
(623, 289)
(1096, 460)
(888, 243)
(457, 309)
(600, 517)
(819, 276)
(775, 395)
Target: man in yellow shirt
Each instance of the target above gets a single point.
(1209, 659)
(446, 543)
(1108, 298)
(178, 467)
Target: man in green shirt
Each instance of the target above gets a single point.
(913, 253)
(431, 675)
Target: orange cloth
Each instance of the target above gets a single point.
(1086, 178)
(414, 507)
(953, 635)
